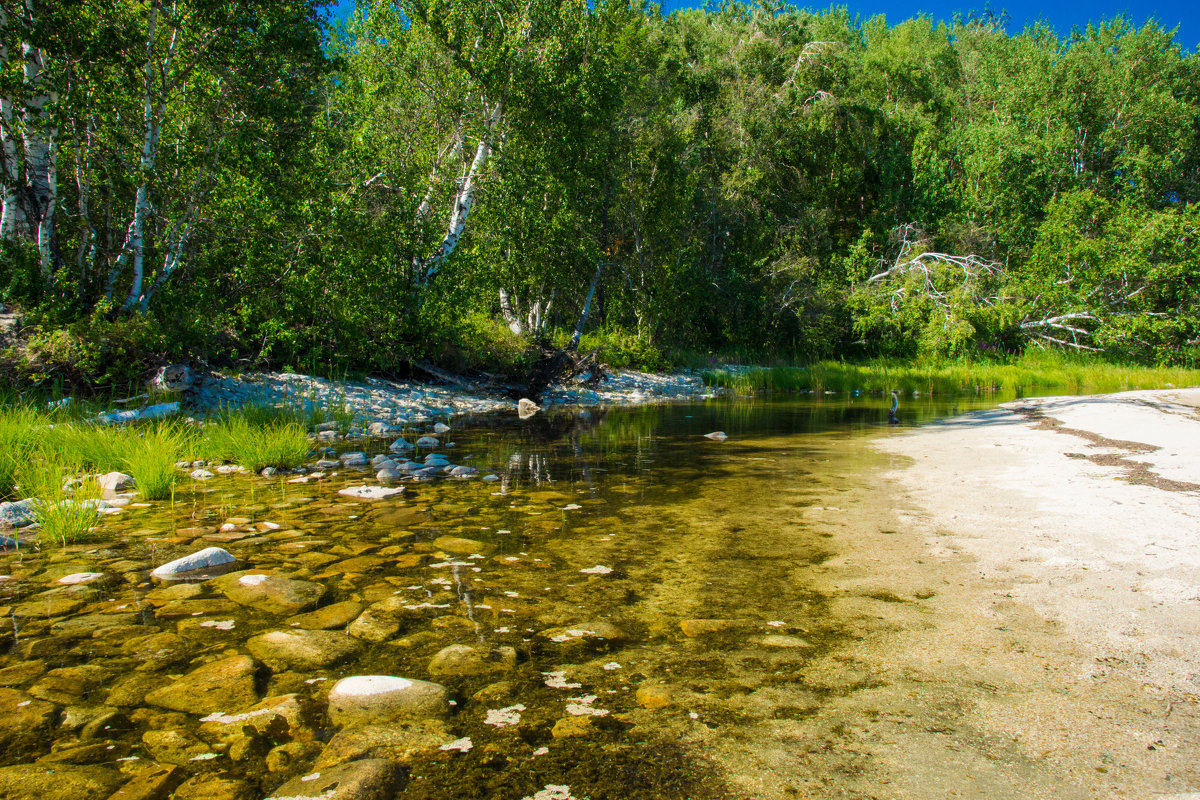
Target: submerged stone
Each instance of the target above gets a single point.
(57, 782)
(369, 779)
(399, 741)
(273, 594)
(224, 685)
(303, 649)
(460, 660)
(337, 615)
(371, 492)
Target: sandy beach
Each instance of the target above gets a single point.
(1070, 646)
(1022, 591)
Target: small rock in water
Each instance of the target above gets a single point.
(400, 445)
(190, 565)
(112, 482)
(81, 577)
(427, 441)
(371, 492)
(716, 436)
(389, 474)
(200, 474)
(273, 594)
(464, 472)
(441, 427)
(303, 649)
(526, 408)
(356, 460)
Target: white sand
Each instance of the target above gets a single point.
(1116, 564)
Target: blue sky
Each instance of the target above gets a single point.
(1168, 13)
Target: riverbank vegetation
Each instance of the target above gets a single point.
(1033, 374)
(247, 184)
(55, 457)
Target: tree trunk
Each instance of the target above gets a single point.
(12, 219)
(463, 200)
(587, 307)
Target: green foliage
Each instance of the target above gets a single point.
(18, 436)
(624, 350)
(739, 176)
(65, 514)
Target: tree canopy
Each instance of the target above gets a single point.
(433, 178)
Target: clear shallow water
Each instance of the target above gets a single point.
(628, 518)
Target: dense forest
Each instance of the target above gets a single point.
(244, 182)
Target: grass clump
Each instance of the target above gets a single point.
(248, 438)
(66, 511)
(150, 458)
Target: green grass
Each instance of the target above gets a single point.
(1031, 374)
(65, 515)
(18, 433)
(256, 439)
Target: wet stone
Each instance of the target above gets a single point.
(369, 779)
(210, 559)
(706, 627)
(270, 593)
(57, 782)
(398, 741)
(281, 715)
(194, 608)
(152, 782)
(173, 747)
(293, 757)
(21, 673)
(460, 660)
(22, 719)
(460, 546)
(337, 615)
(654, 695)
(303, 649)
(68, 684)
(224, 685)
(380, 621)
(132, 690)
(213, 787)
(49, 605)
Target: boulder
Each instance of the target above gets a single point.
(427, 441)
(400, 445)
(273, 594)
(303, 649)
(226, 685)
(378, 699)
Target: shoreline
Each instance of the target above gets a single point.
(1056, 539)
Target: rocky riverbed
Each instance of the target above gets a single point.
(333, 634)
(401, 402)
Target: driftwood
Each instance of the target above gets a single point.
(558, 365)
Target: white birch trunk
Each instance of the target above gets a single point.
(463, 201)
(587, 308)
(45, 238)
(510, 317)
(12, 217)
(152, 125)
